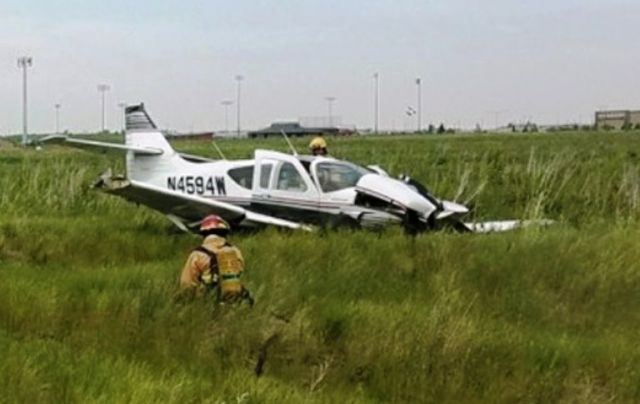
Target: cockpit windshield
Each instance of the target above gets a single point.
(336, 175)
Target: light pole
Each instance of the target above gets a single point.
(103, 88)
(226, 104)
(419, 85)
(330, 101)
(239, 79)
(376, 104)
(57, 106)
(123, 106)
(24, 62)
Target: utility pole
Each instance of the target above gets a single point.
(239, 79)
(57, 106)
(376, 103)
(419, 85)
(330, 101)
(226, 104)
(24, 63)
(103, 88)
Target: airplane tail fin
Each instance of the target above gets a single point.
(142, 132)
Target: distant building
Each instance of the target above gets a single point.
(617, 119)
(295, 129)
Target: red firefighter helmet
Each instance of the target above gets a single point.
(214, 223)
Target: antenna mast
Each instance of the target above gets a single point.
(293, 149)
(215, 146)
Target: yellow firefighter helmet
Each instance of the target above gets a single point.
(318, 146)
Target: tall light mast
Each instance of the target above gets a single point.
(24, 63)
(226, 104)
(239, 79)
(330, 101)
(57, 106)
(419, 85)
(103, 88)
(376, 102)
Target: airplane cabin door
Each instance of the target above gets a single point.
(283, 187)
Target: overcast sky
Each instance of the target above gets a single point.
(545, 60)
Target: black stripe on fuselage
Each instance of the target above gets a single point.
(314, 212)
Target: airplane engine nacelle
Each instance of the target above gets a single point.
(396, 193)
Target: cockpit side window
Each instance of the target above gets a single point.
(243, 176)
(289, 179)
(334, 176)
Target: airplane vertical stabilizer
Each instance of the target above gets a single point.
(142, 132)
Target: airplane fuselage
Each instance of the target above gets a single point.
(232, 182)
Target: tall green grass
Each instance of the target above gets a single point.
(87, 285)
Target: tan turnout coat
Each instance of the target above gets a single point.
(197, 264)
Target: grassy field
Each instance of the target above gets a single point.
(543, 315)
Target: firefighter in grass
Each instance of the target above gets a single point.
(318, 146)
(216, 266)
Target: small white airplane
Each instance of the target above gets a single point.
(278, 189)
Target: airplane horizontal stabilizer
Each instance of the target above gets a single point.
(91, 144)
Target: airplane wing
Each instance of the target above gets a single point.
(253, 218)
(92, 144)
(187, 208)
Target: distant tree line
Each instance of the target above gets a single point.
(439, 130)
